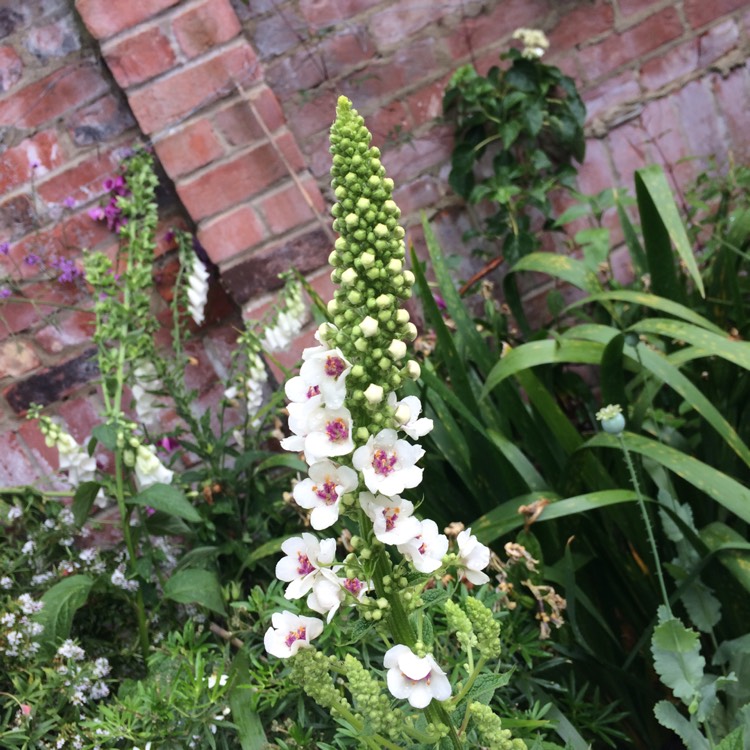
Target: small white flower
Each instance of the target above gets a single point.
(6, 583)
(329, 434)
(149, 469)
(473, 558)
(426, 550)
(70, 650)
(145, 386)
(214, 679)
(388, 464)
(415, 679)
(392, 519)
(290, 632)
(323, 490)
(407, 413)
(14, 512)
(305, 556)
(327, 369)
(197, 290)
(535, 42)
(28, 547)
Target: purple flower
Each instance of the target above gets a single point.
(169, 443)
(35, 165)
(439, 301)
(96, 213)
(150, 511)
(68, 270)
(5, 292)
(4, 248)
(109, 184)
(32, 259)
(169, 236)
(69, 202)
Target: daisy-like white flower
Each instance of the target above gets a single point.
(329, 434)
(326, 369)
(426, 550)
(417, 680)
(197, 290)
(388, 464)
(392, 519)
(406, 413)
(473, 558)
(289, 633)
(149, 469)
(305, 556)
(323, 490)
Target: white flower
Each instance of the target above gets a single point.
(328, 433)
(406, 413)
(257, 376)
(392, 519)
(70, 650)
(388, 464)
(534, 41)
(118, 579)
(327, 369)
(74, 459)
(427, 549)
(473, 558)
(149, 469)
(415, 679)
(285, 329)
(413, 370)
(220, 679)
(289, 633)
(197, 290)
(327, 594)
(305, 555)
(144, 388)
(6, 582)
(323, 490)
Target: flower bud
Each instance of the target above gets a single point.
(340, 244)
(413, 370)
(363, 434)
(395, 265)
(397, 349)
(367, 259)
(402, 316)
(358, 372)
(374, 393)
(352, 220)
(402, 414)
(369, 326)
(354, 297)
(409, 277)
(411, 332)
(361, 345)
(349, 276)
(381, 230)
(332, 307)
(384, 301)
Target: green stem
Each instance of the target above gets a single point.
(468, 684)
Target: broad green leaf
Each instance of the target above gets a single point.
(563, 267)
(61, 602)
(242, 703)
(282, 459)
(485, 685)
(83, 500)
(668, 716)
(717, 535)
(660, 217)
(612, 373)
(106, 434)
(271, 547)
(677, 657)
(167, 499)
(733, 741)
(722, 488)
(533, 479)
(703, 608)
(194, 586)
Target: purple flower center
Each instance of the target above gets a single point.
(295, 635)
(313, 390)
(422, 547)
(327, 492)
(391, 517)
(353, 585)
(304, 566)
(334, 366)
(337, 430)
(383, 462)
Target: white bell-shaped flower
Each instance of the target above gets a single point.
(149, 469)
(473, 558)
(417, 680)
(197, 290)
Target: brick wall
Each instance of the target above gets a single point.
(237, 101)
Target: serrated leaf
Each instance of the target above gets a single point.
(106, 434)
(83, 500)
(733, 741)
(668, 716)
(703, 608)
(485, 685)
(167, 499)
(193, 586)
(61, 602)
(677, 659)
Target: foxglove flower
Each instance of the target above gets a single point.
(149, 469)
(417, 680)
(426, 550)
(197, 290)
(388, 464)
(473, 558)
(392, 519)
(305, 556)
(323, 490)
(289, 633)
(145, 385)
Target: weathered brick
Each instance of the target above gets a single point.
(631, 7)
(698, 116)
(35, 156)
(619, 49)
(227, 184)
(11, 68)
(53, 383)
(376, 81)
(258, 273)
(10, 20)
(231, 234)
(286, 208)
(73, 329)
(139, 57)
(630, 150)
(278, 33)
(392, 25)
(669, 67)
(287, 145)
(58, 93)
(170, 99)
(268, 108)
(312, 114)
(595, 174)
(15, 467)
(613, 93)
(238, 124)
(581, 24)
(422, 193)
(83, 180)
(189, 148)
(81, 415)
(302, 71)
(325, 13)
(699, 12)
(733, 96)
(18, 217)
(100, 122)
(717, 41)
(389, 123)
(54, 39)
(418, 155)
(105, 18)
(202, 27)
(346, 50)
(48, 459)
(17, 357)
(426, 104)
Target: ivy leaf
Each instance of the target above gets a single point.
(677, 657)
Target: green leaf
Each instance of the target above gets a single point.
(167, 499)
(668, 716)
(485, 685)
(563, 267)
(282, 459)
(194, 586)
(661, 221)
(106, 434)
(717, 535)
(83, 500)
(733, 741)
(241, 701)
(637, 254)
(271, 547)
(515, 456)
(677, 657)
(60, 605)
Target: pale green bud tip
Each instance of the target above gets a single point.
(411, 332)
(381, 230)
(351, 220)
(383, 301)
(397, 349)
(409, 278)
(349, 276)
(402, 316)
(363, 434)
(395, 265)
(333, 307)
(402, 414)
(369, 326)
(340, 244)
(413, 370)
(366, 259)
(374, 393)
(612, 419)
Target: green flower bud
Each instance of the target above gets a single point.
(351, 220)
(349, 276)
(357, 372)
(369, 326)
(374, 393)
(395, 266)
(413, 370)
(384, 301)
(402, 316)
(397, 349)
(354, 297)
(367, 259)
(363, 434)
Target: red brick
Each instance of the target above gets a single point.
(81, 415)
(346, 50)
(230, 234)
(203, 27)
(268, 108)
(11, 68)
(70, 330)
(717, 41)
(377, 81)
(55, 95)
(15, 467)
(324, 13)
(54, 39)
(302, 71)
(667, 68)
(17, 357)
(139, 57)
(595, 174)
(389, 123)
(581, 24)
(615, 91)
(395, 24)
(16, 317)
(426, 104)
(47, 458)
(287, 144)
(312, 114)
(18, 217)
(83, 181)
(238, 125)
(99, 122)
(418, 155)
(18, 163)
(286, 208)
(424, 192)
(631, 7)
(225, 185)
(733, 96)
(105, 18)
(618, 49)
(630, 150)
(169, 99)
(318, 156)
(188, 149)
(700, 121)
(278, 33)
(699, 12)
